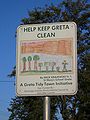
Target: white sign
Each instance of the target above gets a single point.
(46, 59)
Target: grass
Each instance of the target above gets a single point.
(33, 72)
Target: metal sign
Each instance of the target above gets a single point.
(46, 59)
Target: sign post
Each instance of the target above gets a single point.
(46, 108)
(46, 63)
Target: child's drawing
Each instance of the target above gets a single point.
(46, 56)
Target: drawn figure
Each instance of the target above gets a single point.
(35, 58)
(29, 62)
(24, 63)
(64, 66)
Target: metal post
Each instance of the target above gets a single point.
(46, 108)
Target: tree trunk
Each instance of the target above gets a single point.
(29, 65)
(24, 66)
(35, 65)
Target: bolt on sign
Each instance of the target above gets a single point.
(46, 59)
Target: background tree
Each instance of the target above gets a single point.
(71, 107)
(22, 108)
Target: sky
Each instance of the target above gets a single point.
(11, 13)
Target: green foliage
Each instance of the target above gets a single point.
(72, 107)
(36, 57)
(13, 73)
(24, 59)
(22, 108)
(29, 58)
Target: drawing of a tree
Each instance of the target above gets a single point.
(52, 64)
(35, 58)
(24, 63)
(57, 68)
(64, 65)
(40, 65)
(46, 64)
(29, 62)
